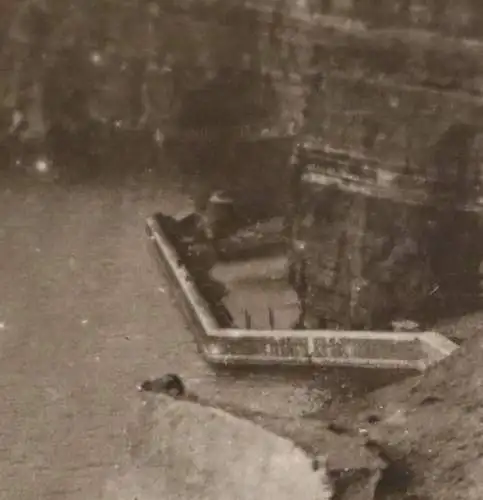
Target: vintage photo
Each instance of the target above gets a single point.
(240, 250)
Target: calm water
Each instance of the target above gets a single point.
(83, 318)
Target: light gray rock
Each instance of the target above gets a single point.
(181, 450)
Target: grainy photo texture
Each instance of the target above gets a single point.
(240, 249)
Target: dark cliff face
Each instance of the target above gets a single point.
(176, 47)
(207, 75)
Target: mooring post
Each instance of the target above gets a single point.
(248, 320)
(302, 293)
(271, 318)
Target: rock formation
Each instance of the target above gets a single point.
(183, 450)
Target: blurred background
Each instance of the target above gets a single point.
(214, 89)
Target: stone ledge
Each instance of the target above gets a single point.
(408, 352)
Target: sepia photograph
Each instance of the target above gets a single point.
(240, 250)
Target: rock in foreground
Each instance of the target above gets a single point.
(181, 450)
(429, 428)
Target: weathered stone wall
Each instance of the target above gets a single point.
(208, 75)
(389, 102)
(453, 17)
(399, 99)
(406, 121)
(174, 46)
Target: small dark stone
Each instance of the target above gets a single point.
(145, 386)
(373, 419)
(170, 384)
(338, 428)
(430, 400)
